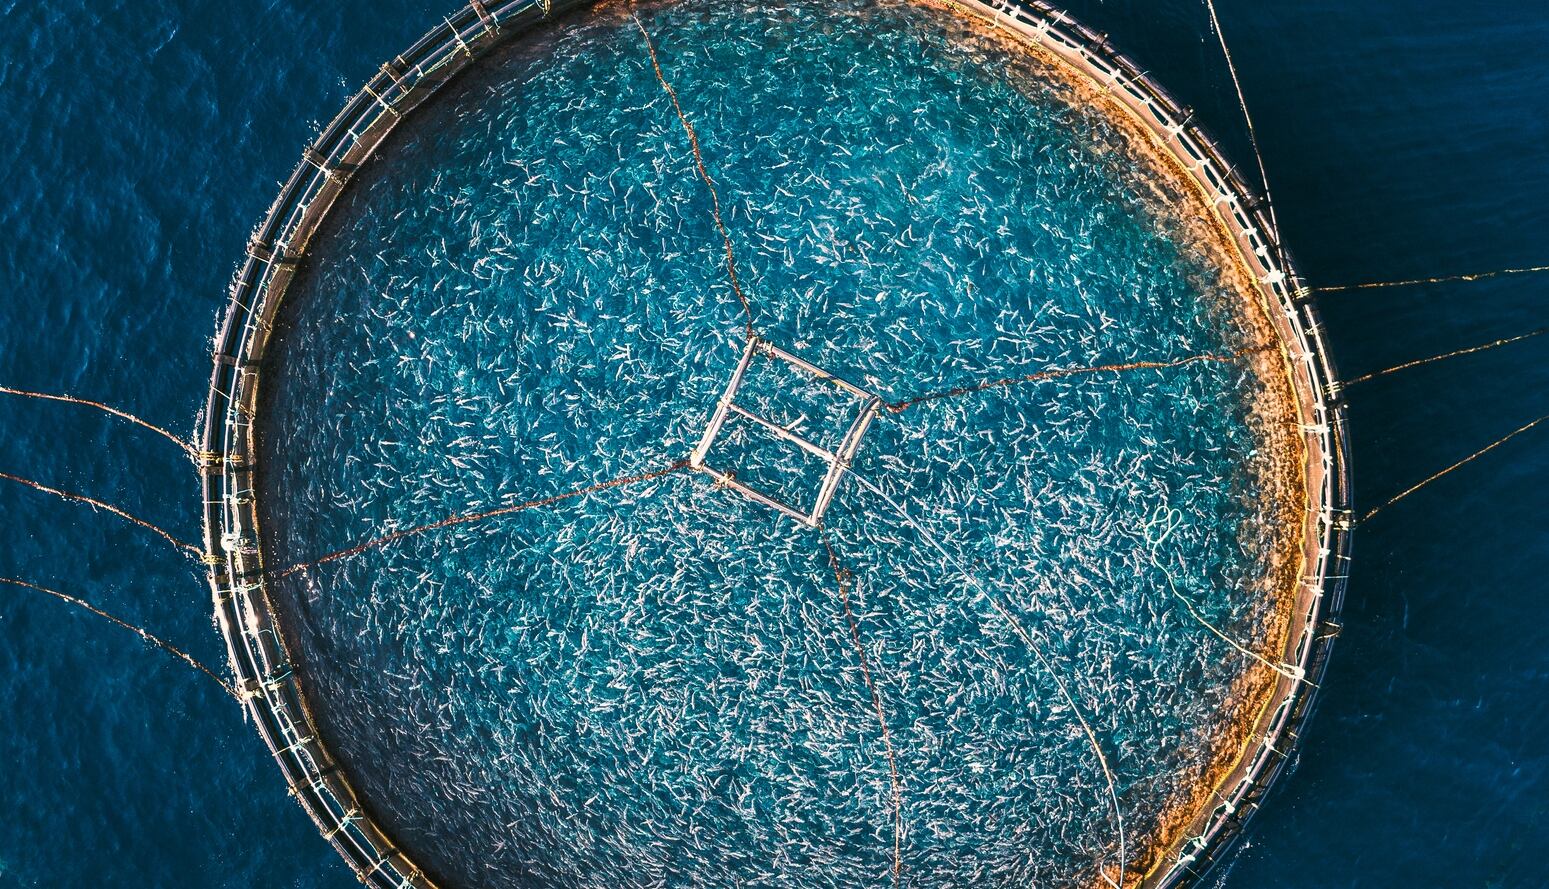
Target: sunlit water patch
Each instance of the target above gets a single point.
(656, 684)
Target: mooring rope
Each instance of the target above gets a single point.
(98, 504)
(552, 499)
(842, 577)
(699, 161)
(1253, 136)
(123, 415)
(1048, 666)
(168, 647)
(1058, 373)
(1469, 459)
(1444, 279)
(1494, 344)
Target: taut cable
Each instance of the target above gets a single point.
(1466, 460)
(123, 415)
(699, 161)
(108, 507)
(1253, 136)
(1505, 341)
(168, 647)
(842, 577)
(1060, 373)
(385, 539)
(1444, 279)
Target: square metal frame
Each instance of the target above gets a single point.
(837, 460)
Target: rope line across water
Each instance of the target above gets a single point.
(843, 578)
(1469, 459)
(385, 539)
(1443, 279)
(1504, 341)
(1253, 136)
(699, 162)
(108, 507)
(122, 415)
(1058, 373)
(168, 647)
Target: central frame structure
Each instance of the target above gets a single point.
(837, 460)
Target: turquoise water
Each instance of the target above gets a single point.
(1402, 142)
(656, 685)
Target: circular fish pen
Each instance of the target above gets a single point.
(847, 483)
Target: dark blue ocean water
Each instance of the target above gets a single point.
(146, 139)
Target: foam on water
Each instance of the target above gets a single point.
(655, 685)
